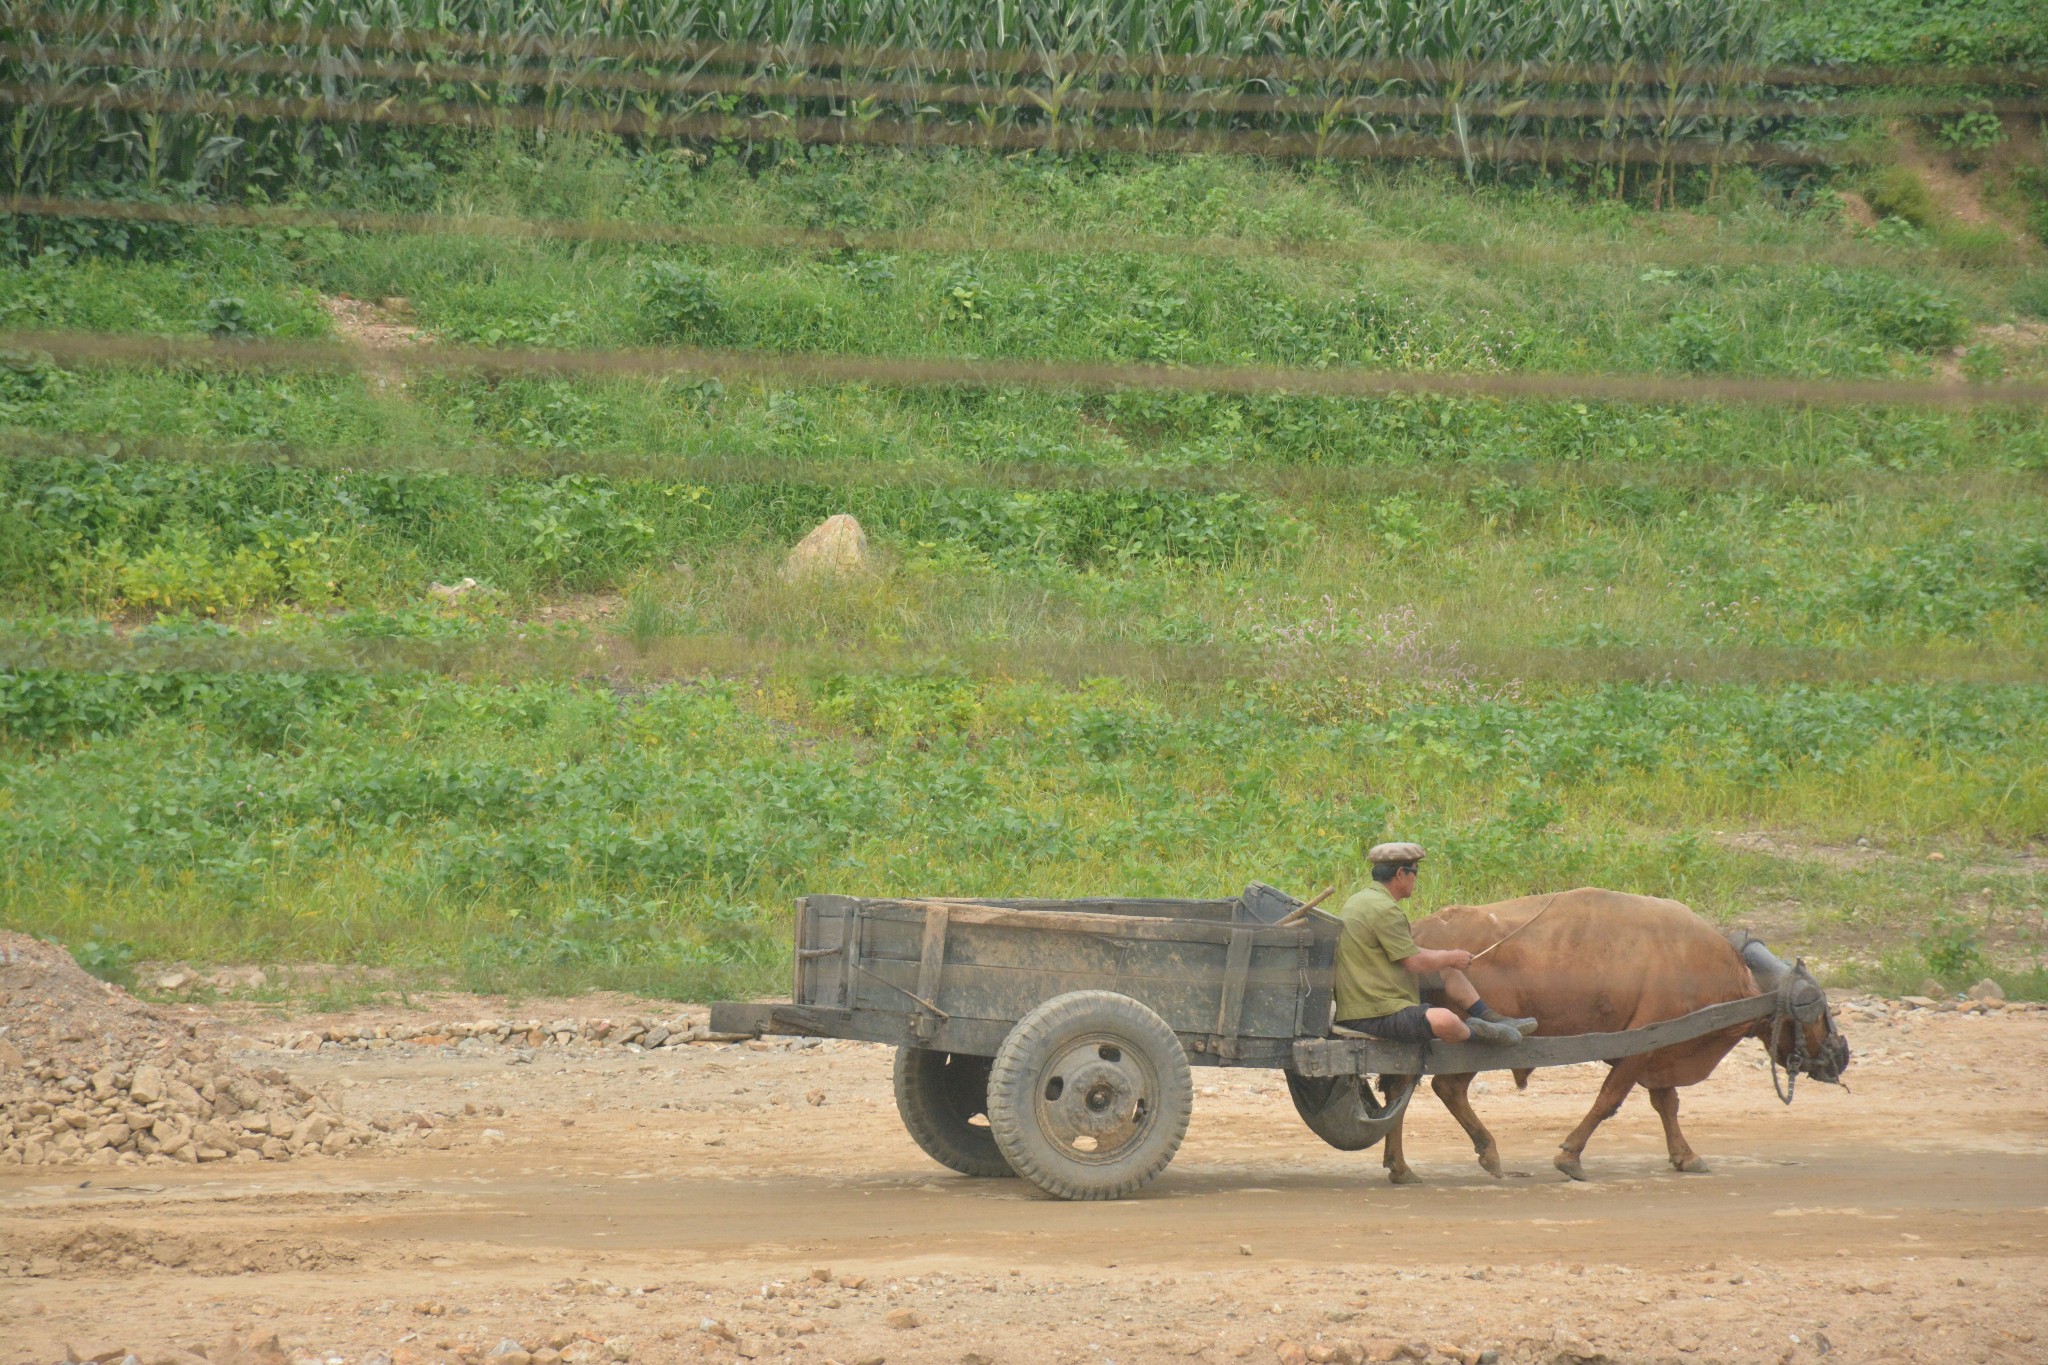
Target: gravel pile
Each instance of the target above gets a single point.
(90, 1075)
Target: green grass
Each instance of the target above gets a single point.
(545, 832)
(1113, 642)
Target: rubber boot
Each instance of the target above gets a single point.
(1525, 1027)
(1486, 1031)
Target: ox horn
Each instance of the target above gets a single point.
(1767, 967)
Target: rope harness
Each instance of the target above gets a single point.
(1801, 1001)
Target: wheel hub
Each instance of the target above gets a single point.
(1096, 1098)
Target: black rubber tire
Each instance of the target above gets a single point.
(1121, 1053)
(938, 1093)
(1340, 1111)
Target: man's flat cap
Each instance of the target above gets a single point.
(1395, 853)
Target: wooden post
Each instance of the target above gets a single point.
(931, 961)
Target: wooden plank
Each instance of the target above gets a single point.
(1230, 1008)
(931, 966)
(1145, 928)
(979, 1037)
(742, 1016)
(1349, 1056)
(1156, 907)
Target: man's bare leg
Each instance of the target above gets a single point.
(1458, 988)
(1447, 1026)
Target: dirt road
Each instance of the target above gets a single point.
(674, 1206)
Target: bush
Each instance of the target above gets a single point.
(680, 301)
(1899, 193)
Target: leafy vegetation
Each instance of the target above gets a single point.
(1130, 641)
(1896, 32)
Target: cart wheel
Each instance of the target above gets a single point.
(1089, 1095)
(939, 1094)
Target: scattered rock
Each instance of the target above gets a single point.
(176, 980)
(903, 1319)
(1987, 989)
(452, 592)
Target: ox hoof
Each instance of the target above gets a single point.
(1569, 1164)
(1490, 1163)
(1692, 1165)
(1401, 1175)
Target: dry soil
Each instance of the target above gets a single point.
(758, 1201)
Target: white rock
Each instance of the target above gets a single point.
(837, 546)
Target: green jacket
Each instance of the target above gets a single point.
(1370, 978)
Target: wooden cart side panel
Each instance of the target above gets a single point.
(1316, 991)
(1184, 984)
(825, 929)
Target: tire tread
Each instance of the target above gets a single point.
(920, 1102)
(1011, 1082)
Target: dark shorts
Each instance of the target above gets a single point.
(1407, 1025)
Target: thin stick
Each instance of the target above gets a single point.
(1300, 912)
(1518, 928)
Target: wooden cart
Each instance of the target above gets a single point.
(1053, 1039)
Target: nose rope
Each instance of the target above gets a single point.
(1787, 1013)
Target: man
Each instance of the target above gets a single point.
(1380, 970)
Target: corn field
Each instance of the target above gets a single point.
(217, 98)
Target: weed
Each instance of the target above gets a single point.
(1951, 947)
(228, 316)
(1897, 312)
(963, 297)
(1970, 135)
(651, 612)
(1977, 245)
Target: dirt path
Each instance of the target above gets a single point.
(673, 1206)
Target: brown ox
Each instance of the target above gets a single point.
(1599, 962)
